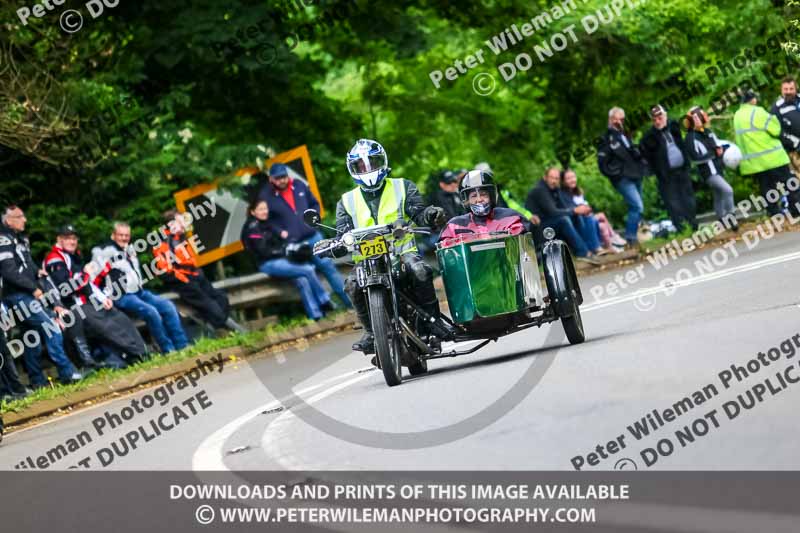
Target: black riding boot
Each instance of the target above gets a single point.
(85, 354)
(367, 342)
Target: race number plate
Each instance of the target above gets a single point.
(374, 247)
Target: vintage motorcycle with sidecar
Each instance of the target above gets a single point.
(493, 287)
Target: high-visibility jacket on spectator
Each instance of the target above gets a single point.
(390, 209)
(758, 137)
(175, 259)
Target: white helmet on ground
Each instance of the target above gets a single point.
(368, 164)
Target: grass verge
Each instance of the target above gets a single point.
(203, 345)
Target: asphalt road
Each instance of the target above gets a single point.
(646, 350)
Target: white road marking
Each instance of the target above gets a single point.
(209, 455)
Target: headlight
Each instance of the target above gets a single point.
(549, 234)
(348, 239)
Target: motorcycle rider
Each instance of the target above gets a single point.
(378, 200)
(479, 194)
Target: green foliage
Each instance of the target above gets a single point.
(158, 96)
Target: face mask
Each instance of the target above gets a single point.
(480, 210)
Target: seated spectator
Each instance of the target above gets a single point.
(557, 210)
(93, 313)
(267, 243)
(705, 151)
(11, 388)
(121, 274)
(19, 277)
(609, 239)
(182, 275)
(287, 199)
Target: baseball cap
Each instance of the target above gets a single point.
(66, 229)
(278, 169)
(748, 95)
(656, 110)
(448, 176)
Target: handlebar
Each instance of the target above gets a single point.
(395, 231)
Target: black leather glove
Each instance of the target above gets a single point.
(434, 216)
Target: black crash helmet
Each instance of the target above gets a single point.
(477, 180)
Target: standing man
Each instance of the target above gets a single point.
(182, 275)
(23, 297)
(758, 135)
(620, 161)
(665, 151)
(120, 267)
(787, 109)
(287, 200)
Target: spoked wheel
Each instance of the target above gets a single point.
(385, 347)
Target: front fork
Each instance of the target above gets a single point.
(372, 272)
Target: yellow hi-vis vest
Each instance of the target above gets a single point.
(757, 135)
(392, 207)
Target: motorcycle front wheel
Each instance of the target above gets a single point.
(388, 357)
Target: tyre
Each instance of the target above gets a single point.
(573, 327)
(573, 324)
(388, 357)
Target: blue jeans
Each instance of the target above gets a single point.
(305, 279)
(160, 315)
(328, 269)
(565, 229)
(631, 191)
(52, 339)
(589, 230)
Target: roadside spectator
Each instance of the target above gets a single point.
(609, 238)
(556, 210)
(787, 109)
(120, 268)
(19, 277)
(446, 195)
(93, 314)
(620, 161)
(267, 243)
(705, 151)
(287, 199)
(663, 148)
(763, 157)
(11, 388)
(175, 258)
